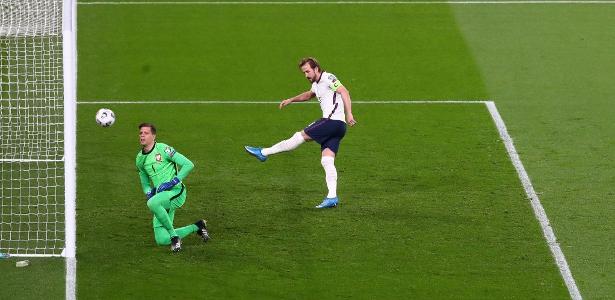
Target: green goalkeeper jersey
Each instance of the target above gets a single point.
(161, 164)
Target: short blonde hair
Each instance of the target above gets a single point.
(310, 61)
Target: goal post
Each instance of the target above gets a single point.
(37, 128)
(70, 125)
(69, 51)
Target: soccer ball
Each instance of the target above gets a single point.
(105, 117)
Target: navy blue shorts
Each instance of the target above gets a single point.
(328, 133)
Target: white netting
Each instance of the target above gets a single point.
(32, 207)
(30, 17)
(31, 127)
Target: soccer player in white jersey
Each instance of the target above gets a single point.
(328, 131)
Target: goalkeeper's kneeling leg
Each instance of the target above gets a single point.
(162, 236)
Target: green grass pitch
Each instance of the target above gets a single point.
(431, 206)
(427, 215)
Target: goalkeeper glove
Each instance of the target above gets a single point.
(165, 186)
(150, 194)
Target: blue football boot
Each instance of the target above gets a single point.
(328, 203)
(256, 152)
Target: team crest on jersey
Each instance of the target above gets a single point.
(170, 151)
(158, 157)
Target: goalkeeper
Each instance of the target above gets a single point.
(157, 164)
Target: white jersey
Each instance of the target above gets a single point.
(330, 100)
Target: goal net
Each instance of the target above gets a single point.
(32, 128)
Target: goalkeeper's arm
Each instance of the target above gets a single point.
(148, 190)
(185, 167)
(145, 184)
(184, 163)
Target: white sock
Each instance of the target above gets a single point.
(285, 145)
(330, 175)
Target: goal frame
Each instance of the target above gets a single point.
(69, 49)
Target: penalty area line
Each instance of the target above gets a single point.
(539, 210)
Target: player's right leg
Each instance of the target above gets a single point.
(160, 206)
(286, 145)
(162, 237)
(256, 152)
(176, 244)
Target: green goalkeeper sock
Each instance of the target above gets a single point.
(162, 236)
(186, 230)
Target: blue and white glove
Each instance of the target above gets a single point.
(150, 194)
(165, 186)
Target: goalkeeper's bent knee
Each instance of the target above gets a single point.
(150, 204)
(162, 236)
(154, 202)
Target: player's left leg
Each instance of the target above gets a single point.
(186, 230)
(328, 163)
(164, 239)
(199, 226)
(335, 131)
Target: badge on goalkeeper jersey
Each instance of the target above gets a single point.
(170, 151)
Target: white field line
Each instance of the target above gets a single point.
(71, 277)
(278, 102)
(539, 211)
(35, 255)
(344, 2)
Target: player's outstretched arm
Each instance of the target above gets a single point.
(347, 105)
(305, 96)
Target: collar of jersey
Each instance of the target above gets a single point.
(150, 150)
